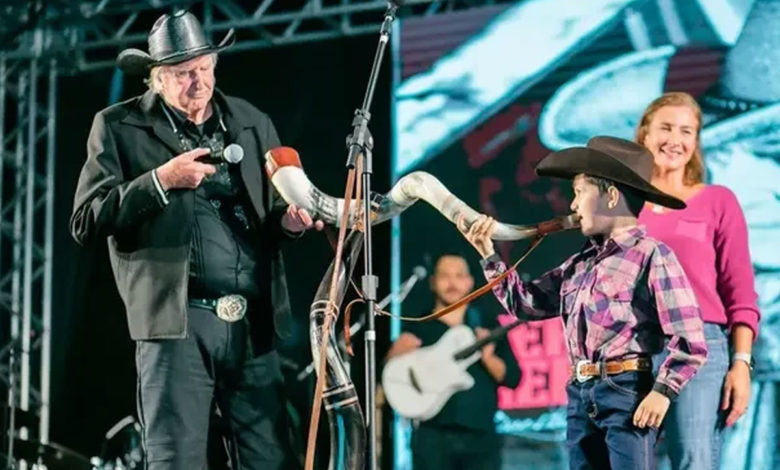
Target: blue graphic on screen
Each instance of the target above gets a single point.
(510, 54)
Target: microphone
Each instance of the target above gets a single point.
(418, 272)
(232, 153)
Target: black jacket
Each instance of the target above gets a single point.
(149, 242)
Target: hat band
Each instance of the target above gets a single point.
(184, 53)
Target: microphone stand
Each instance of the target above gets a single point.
(361, 142)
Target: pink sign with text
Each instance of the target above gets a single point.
(540, 349)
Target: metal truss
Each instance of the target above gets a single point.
(86, 35)
(28, 97)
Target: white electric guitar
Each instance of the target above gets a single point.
(418, 384)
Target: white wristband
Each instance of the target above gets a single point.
(744, 357)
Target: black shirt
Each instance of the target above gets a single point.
(223, 253)
(473, 408)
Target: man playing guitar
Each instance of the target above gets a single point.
(462, 434)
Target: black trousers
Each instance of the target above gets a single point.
(179, 382)
(439, 448)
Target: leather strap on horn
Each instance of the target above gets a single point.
(330, 314)
(479, 292)
(444, 311)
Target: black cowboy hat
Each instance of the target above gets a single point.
(618, 160)
(173, 39)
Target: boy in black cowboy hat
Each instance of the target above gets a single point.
(619, 297)
(195, 251)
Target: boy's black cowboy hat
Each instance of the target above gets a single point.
(614, 159)
(173, 39)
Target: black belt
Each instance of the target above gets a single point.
(230, 308)
(206, 304)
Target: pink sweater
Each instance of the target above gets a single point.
(710, 239)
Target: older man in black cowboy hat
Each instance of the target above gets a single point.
(619, 297)
(193, 231)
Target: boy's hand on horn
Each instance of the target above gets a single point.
(479, 233)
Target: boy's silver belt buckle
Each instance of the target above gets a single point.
(578, 371)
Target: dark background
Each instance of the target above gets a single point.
(310, 91)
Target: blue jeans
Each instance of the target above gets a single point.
(600, 432)
(694, 424)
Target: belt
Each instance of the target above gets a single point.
(586, 370)
(230, 308)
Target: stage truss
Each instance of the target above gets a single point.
(43, 39)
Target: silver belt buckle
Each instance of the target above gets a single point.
(231, 308)
(578, 371)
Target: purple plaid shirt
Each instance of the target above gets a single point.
(616, 300)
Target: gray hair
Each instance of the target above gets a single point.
(154, 81)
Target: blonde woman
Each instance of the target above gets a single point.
(710, 239)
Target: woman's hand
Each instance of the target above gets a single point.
(736, 392)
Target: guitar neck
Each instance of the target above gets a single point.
(494, 335)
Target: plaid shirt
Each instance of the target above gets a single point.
(618, 300)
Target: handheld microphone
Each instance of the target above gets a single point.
(232, 153)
